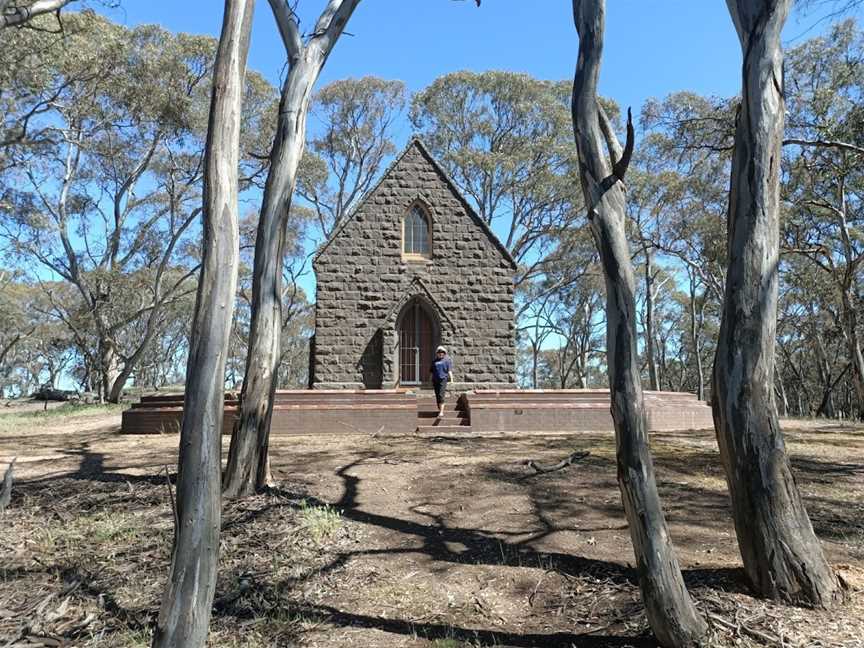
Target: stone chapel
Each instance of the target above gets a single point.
(412, 267)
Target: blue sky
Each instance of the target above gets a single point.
(653, 47)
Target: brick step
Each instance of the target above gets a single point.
(436, 430)
(448, 413)
(312, 396)
(446, 420)
(233, 405)
(432, 410)
(431, 414)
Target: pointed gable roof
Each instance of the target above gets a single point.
(417, 143)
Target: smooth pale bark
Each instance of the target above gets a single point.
(650, 338)
(670, 612)
(18, 15)
(781, 554)
(248, 467)
(185, 613)
(780, 388)
(697, 324)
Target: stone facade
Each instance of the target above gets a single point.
(367, 286)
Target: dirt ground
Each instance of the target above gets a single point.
(390, 542)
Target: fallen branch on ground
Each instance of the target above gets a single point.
(540, 469)
(744, 629)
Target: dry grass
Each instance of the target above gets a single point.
(30, 415)
(402, 542)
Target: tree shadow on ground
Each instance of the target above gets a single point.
(692, 487)
(588, 491)
(479, 547)
(482, 546)
(494, 548)
(321, 614)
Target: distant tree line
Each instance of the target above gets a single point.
(100, 179)
(124, 155)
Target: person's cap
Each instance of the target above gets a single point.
(440, 349)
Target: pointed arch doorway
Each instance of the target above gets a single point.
(419, 333)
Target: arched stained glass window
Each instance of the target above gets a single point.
(415, 232)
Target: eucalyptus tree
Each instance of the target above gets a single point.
(653, 193)
(823, 179)
(106, 198)
(703, 311)
(34, 349)
(667, 316)
(693, 136)
(14, 325)
(248, 467)
(29, 83)
(690, 138)
(533, 331)
(346, 153)
(297, 312)
(103, 189)
(37, 26)
(184, 616)
(781, 554)
(577, 321)
(574, 314)
(603, 164)
(504, 139)
(164, 359)
(813, 354)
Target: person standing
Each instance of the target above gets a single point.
(442, 372)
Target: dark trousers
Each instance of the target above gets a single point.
(440, 390)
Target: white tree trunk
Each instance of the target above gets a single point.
(696, 326)
(650, 336)
(248, 467)
(185, 613)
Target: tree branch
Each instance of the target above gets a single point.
(287, 23)
(619, 168)
(11, 17)
(540, 469)
(612, 143)
(843, 146)
(331, 22)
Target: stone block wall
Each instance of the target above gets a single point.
(364, 283)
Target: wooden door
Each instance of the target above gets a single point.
(415, 346)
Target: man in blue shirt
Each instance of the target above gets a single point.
(442, 371)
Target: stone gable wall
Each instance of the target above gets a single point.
(363, 283)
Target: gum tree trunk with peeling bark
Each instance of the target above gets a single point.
(248, 467)
(781, 554)
(670, 611)
(184, 617)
